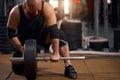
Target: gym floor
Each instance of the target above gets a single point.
(89, 69)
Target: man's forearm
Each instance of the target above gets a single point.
(55, 45)
(15, 41)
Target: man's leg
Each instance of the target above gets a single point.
(64, 52)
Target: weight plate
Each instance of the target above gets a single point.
(30, 61)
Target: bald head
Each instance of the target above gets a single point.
(32, 2)
(33, 6)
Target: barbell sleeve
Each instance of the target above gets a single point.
(17, 59)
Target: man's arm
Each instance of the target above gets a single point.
(51, 20)
(12, 23)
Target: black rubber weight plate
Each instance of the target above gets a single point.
(30, 59)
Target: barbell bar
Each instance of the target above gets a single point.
(46, 58)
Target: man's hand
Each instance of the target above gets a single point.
(55, 57)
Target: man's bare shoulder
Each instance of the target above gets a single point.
(49, 14)
(48, 9)
(14, 11)
(14, 17)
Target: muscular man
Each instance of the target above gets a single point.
(26, 21)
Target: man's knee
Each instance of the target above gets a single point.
(63, 39)
(63, 43)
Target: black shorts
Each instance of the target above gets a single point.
(42, 38)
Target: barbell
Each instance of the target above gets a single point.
(30, 59)
(46, 58)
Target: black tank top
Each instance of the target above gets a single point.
(30, 29)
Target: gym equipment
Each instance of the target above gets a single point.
(30, 59)
(30, 63)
